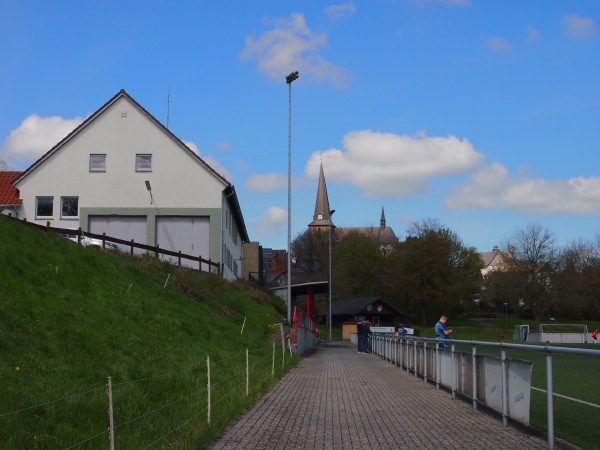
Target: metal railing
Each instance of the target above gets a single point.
(415, 355)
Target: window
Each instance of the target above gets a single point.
(69, 207)
(44, 206)
(97, 163)
(143, 163)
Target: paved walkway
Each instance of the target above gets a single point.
(337, 398)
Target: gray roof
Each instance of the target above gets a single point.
(354, 306)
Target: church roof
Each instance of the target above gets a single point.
(322, 215)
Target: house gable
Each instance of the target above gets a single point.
(123, 168)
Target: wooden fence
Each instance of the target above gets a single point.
(131, 244)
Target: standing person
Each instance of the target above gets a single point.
(402, 332)
(441, 331)
(595, 335)
(359, 335)
(366, 334)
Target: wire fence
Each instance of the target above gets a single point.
(179, 409)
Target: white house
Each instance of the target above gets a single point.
(123, 173)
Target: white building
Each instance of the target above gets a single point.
(121, 172)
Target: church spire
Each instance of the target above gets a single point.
(382, 220)
(322, 216)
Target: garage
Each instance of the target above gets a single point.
(188, 234)
(121, 227)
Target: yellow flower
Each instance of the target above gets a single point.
(17, 368)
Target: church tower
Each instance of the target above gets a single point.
(322, 215)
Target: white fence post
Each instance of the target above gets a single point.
(247, 373)
(208, 388)
(111, 420)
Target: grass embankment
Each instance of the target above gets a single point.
(72, 316)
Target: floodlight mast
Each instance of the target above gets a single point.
(289, 79)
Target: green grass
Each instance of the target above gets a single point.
(71, 316)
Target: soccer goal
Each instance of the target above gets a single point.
(561, 333)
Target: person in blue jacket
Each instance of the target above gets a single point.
(441, 331)
(402, 332)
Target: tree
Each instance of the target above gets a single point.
(531, 256)
(4, 166)
(358, 263)
(577, 281)
(432, 268)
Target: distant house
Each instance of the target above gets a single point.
(121, 172)
(10, 202)
(492, 261)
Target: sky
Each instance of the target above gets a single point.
(481, 114)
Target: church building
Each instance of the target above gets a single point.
(383, 234)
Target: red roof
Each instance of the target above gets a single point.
(8, 193)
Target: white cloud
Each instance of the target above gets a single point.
(36, 135)
(211, 161)
(289, 46)
(577, 26)
(492, 187)
(224, 146)
(337, 12)
(392, 165)
(273, 222)
(533, 33)
(266, 182)
(498, 44)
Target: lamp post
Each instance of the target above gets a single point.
(329, 283)
(289, 79)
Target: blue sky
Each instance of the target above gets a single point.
(482, 114)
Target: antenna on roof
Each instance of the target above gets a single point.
(168, 104)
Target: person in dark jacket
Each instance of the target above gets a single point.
(366, 332)
(359, 335)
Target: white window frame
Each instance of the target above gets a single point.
(37, 206)
(62, 206)
(143, 162)
(98, 162)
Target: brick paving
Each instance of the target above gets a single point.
(337, 398)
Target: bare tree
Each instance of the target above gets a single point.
(4, 167)
(531, 255)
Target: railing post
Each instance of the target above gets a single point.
(550, 400)
(415, 358)
(474, 375)
(425, 361)
(453, 369)
(504, 388)
(437, 365)
(131, 252)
